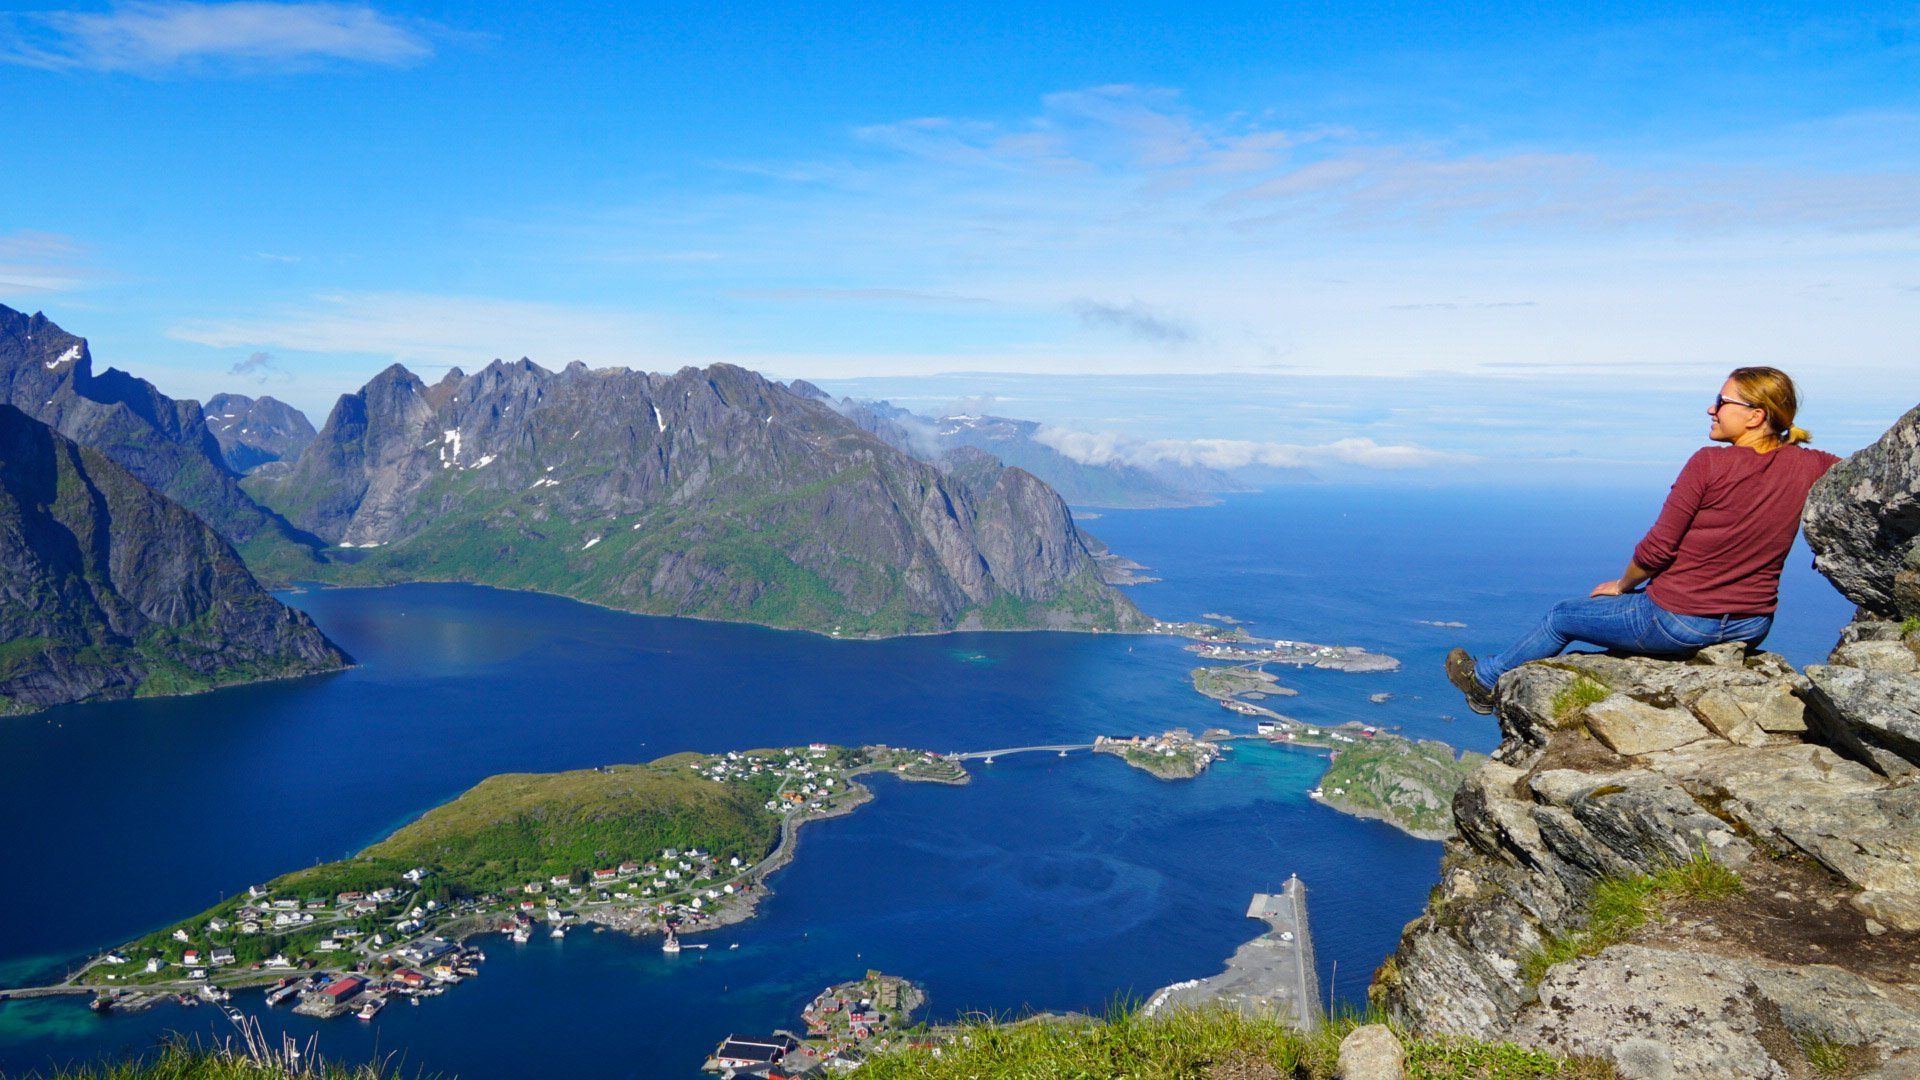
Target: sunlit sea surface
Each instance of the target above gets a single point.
(1048, 883)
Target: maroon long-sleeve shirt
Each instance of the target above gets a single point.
(1726, 528)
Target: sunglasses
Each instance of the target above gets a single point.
(1719, 401)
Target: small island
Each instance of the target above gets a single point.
(675, 846)
(1234, 643)
(1246, 682)
(1405, 782)
(1175, 755)
(844, 1023)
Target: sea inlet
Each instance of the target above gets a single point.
(1048, 883)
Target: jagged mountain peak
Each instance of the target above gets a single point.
(47, 373)
(711, 490)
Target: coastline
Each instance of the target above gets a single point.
(310, 585)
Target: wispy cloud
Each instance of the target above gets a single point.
(807, 294)
(42, 262)
(434, 330)
(1107, 448)
(1134, 319)
(167, 37)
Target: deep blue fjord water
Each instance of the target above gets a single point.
(1048, 883)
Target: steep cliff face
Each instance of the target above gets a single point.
(1616, 771)
(110, 590)
(708, 492)
(254, 431)
(48, 374)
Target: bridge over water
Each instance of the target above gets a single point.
(989, 755)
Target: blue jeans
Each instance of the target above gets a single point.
(1631, 624)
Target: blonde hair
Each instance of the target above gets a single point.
(1771, 389)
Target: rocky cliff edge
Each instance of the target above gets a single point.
(1703, 868)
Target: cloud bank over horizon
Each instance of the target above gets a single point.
(1227, 455)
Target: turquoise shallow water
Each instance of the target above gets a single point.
(1048, 883)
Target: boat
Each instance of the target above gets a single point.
(372, 1008)
(735, 945)
(520, 935)
(234, 1014)
(672, 944)
(558, 931)
(280, 994)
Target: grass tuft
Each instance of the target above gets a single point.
(1910, 626)
(248, 1056)
(1579, 694)
(1827, 1058)
(1624, 904)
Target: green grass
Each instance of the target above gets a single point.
(1624, 904)
(1194, 1044)
(1413, 782)
(1582, 692)
(182, 1061)
(1827, 1058)
(1910, 626)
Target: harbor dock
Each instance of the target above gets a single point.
(1274, 973)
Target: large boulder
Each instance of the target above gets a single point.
(1863, 522)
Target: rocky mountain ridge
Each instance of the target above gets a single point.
(48, 374)
(1615, 774)
(710, 492)
(254, 431)
(109, 590)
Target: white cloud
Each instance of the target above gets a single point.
(1107, 448)
(156, 38)
(433, 330)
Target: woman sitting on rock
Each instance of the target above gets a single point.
(1713, 558)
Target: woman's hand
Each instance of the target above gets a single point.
(1608, 588)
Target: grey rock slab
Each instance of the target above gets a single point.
(1634, 728)
(1889, 656)
(1899, 910)
(1807, 798)
(1655, 1015)
(1874, 714)
(1370, 1052)
(1726, 717)
(1657, 1012)
(1863, 522)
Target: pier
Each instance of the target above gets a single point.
(1274, 973)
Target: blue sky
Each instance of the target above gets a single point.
(1548, 219)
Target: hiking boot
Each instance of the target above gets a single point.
(1460, 673)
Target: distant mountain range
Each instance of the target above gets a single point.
(254, 431)
(109, 589)
(1020, 443)
(709, 492)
